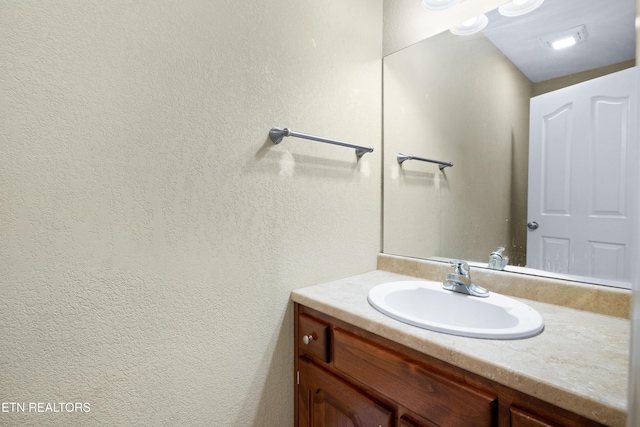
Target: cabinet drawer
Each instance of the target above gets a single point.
(521, 418)
(313, 338)
(439, 399)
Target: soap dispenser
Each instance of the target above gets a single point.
(497, 261)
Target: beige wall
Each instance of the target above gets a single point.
(572, 79)
(457, 100)
(150, 234)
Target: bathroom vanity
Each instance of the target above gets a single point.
(357, 367)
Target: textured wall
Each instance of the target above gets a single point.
(150, 234)
(471, 109)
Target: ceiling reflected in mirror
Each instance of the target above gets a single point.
(523, 39)
(439, 4)
(519, 7)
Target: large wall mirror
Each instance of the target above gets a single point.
(470, 100)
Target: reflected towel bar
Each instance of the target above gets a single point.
(277, 134)
(442, 165)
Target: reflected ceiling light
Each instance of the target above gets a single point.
(562, 43)
(439, 4)
(566, 38)
(519, 7)
(470, 26)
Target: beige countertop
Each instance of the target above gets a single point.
(579, 362)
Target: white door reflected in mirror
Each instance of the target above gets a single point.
(582, 191)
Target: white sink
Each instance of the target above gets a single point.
(426, 305)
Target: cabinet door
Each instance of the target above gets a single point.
(327, 401)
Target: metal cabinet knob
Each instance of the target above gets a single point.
(307, 339)
(533, 225)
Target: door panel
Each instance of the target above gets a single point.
(605, 257)
(610, 124)
(582, 181)
(556, 157)
(555, 253)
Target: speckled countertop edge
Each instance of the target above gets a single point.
(579, 362)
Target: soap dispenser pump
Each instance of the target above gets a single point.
(497, 261)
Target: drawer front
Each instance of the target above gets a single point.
(441, 400)
(521, 418)
(313, 338)
(404, 422)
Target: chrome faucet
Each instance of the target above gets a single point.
(497, 261)
(460, 281)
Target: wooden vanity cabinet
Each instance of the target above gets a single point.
(347, 377)
(327, 400)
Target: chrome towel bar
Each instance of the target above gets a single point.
(277, 134)
(442, 165)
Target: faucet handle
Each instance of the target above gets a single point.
(461, 267)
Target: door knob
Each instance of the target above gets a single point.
(533, 225)
(308, 338)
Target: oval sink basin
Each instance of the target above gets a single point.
(427, 305)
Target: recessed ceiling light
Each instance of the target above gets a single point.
(519, 7)
(470, 26)
(439, 4)
(566, 38)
